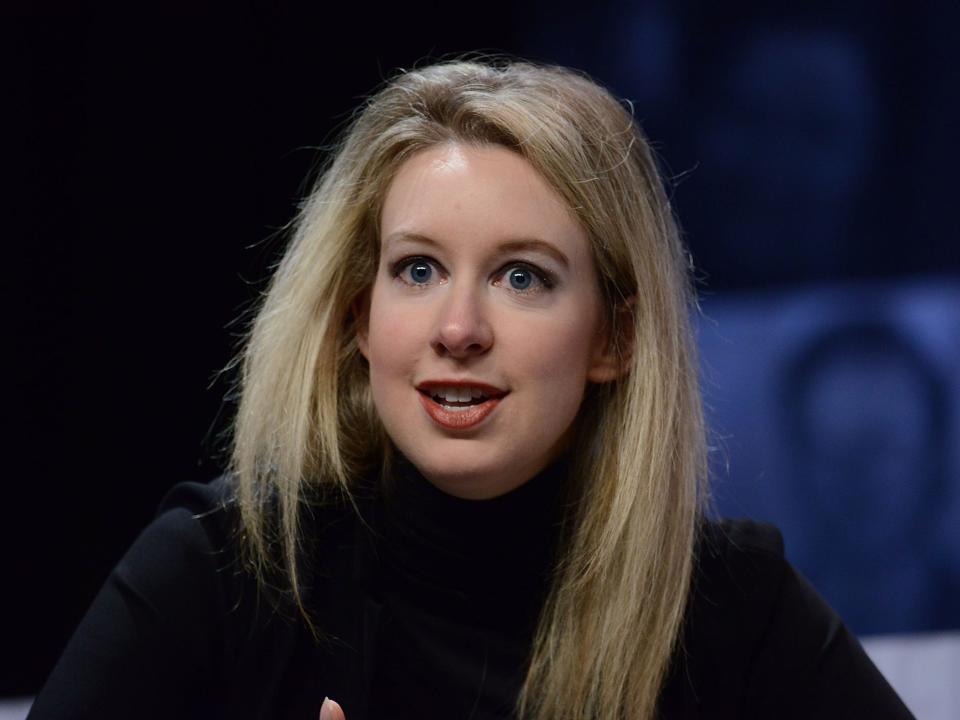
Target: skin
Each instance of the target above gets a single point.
(331, 710)
(458, 296)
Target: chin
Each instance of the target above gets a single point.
(468, 482)
(480, 478)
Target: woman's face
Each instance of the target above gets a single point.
(484, 322)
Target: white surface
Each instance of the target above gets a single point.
(923, 669)
(14, 708)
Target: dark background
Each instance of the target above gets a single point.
(153, 164)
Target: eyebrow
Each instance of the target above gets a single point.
(512, 245)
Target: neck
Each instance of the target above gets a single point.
(490, 558)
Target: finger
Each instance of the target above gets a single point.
(331, 710)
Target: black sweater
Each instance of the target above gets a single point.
(428, 607)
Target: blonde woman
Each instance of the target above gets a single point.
(468, 464)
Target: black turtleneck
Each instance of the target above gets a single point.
(428, 607)
(461, 583)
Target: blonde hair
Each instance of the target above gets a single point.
(306, 423)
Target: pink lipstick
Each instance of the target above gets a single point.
(459, 404)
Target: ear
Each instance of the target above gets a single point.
(360, 307)
(613, 350)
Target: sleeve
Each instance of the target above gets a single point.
(151, 641)
(807, 663)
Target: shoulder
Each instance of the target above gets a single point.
(189, 537)
(181, 571)
(154, 638)
(187, 568)
(739, 574)
(195, 509)
(197, 533)
(200, 498)
(199, 524)
(745, 591)
(749, 536)
(189, 562)
(731, 551)
(746, 594)
(760, 641)
(739, 566)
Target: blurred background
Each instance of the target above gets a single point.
(811, 153)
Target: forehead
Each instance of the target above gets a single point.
(477, 195)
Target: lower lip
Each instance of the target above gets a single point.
(470, 416)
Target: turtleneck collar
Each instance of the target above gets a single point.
(486, 560)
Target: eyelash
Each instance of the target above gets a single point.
(545, 279)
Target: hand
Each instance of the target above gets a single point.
(331, 710)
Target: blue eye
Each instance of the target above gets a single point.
(521, 278)
(419, 272)
(525, 279)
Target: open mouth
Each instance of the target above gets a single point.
(453, 398)
(459, 407)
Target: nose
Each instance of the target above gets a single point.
(463, 329)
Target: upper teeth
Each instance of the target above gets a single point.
(461, 394)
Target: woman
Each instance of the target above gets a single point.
(468, 460)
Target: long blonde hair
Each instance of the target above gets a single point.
(306, 424)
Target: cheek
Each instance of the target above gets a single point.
(549, 363)
(554, 353)
(394, 336)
